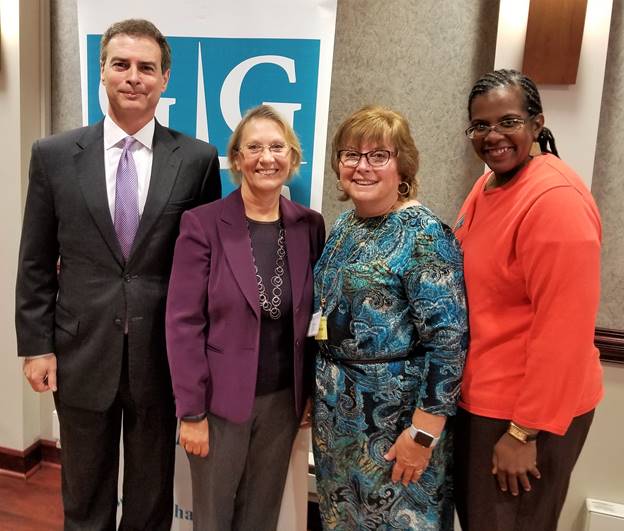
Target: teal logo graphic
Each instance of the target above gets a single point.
(215, 80)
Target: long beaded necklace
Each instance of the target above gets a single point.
(272, 306)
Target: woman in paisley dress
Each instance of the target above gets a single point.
(392, 330)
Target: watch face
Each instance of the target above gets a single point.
(424, 439)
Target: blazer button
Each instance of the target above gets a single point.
(127, 278)
(297, 343)
(118, 321)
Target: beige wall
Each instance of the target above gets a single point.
(22, 122)
(421, 59)
(608, 181)
(11, 433)
(66, 105)
(599, 471)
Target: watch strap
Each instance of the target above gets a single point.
(194, 418)
(422, 437)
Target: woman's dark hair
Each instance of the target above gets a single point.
(532, 100)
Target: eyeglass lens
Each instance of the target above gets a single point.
(376, 158)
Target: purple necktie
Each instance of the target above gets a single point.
(126, 198)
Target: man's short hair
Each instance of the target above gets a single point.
(137, 27)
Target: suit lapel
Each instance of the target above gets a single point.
(91, 173)
(298, 248)
(234, 234)
(165, 166)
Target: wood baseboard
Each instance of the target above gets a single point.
(24, 463)
(21, 462)
(50, 454)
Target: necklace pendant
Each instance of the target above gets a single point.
(321, 335)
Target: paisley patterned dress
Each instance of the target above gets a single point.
(397, 336)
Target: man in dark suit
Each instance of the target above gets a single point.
(106, 200)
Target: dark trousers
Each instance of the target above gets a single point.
(239, 485)
(90, 462)
(480, 503)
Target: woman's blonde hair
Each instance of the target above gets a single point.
(264, 112)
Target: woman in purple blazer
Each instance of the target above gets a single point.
(239, 305)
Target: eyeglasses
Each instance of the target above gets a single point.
(376, 158)
(277, 149)
(504, 127)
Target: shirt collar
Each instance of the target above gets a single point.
(113, 134)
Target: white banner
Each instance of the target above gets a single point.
(228, 57)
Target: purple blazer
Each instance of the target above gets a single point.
(213, 310)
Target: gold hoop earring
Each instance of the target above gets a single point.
(339, 186)
(405, 193)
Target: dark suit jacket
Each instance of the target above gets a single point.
(80, 314)
(213, 311)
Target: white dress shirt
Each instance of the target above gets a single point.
(142, 154)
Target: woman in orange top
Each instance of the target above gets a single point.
(530, 232)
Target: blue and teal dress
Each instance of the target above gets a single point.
(397, 336)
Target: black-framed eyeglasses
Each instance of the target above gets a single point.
(376, 158)
(509, 126)
(277, 149)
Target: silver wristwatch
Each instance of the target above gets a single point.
(422, 437)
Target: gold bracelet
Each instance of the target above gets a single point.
(520, 434)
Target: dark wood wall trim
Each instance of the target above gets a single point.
(610, 342)
(21, 462)
(554, 35)
(50, 453)
(25, 462)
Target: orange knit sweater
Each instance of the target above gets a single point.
(532, 272)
